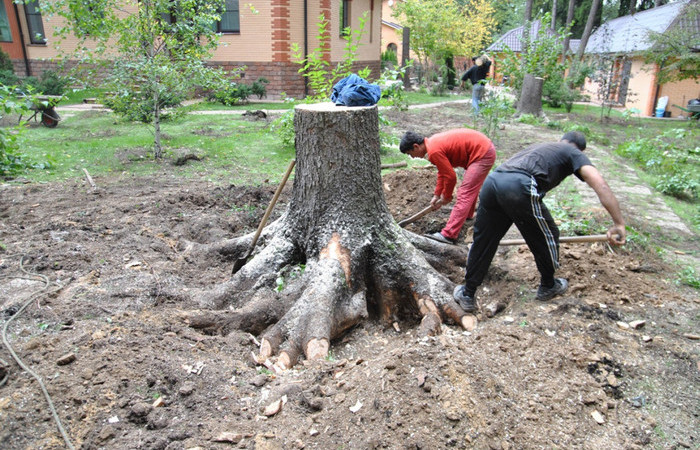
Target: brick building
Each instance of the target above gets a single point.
(257, 34)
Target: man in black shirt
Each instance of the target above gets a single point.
(513, 193)
(477, 76)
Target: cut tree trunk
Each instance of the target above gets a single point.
(531, 96)
(343, 253)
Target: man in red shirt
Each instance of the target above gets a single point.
(461, 147)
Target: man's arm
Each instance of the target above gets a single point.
(616, 233)
(446, 179)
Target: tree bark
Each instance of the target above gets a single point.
(531, 96)
(569, 19)
(354, 261)
(527, 24)
(587, 30)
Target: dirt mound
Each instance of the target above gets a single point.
(124, 370)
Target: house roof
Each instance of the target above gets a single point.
(629, 34)
(393, 25)
(513, 38)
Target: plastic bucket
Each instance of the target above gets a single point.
(659, 112)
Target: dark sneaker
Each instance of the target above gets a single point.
(440, 238)
(466, 302)
(560, 286)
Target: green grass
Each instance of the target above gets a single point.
(250, 105)
(234, 150)
(76, 96)
(419, 98)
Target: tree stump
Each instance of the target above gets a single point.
(531, 96)
(351, 258)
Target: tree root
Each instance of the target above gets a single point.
(338, 289)
(227, 249)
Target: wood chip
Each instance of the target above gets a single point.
(66, 359)
(692, 337)
(636, 324)
(275, 407)
(598, 417)
(228, 436)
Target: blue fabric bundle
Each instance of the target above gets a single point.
(355, 91)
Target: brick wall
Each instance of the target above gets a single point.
(679, 93)
(282, 76)
(279, 27)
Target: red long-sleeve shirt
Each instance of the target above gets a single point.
(454, 148)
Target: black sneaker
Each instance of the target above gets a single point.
(440, 238)
(560, 286)
(466, 302)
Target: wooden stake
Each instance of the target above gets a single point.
(89, 179)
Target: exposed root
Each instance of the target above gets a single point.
(442, 257)
(255, 274)
(324, 311)
(338, 290)
(228, 249)
(317, 348)
(264, 309)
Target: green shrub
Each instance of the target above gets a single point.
(689, 277)
(393, 88)
(9, 78)
(51, 83)
(230, 93)
(494, 109)
(11, 161)
(283, 126)
(258, 87)
(557, 93)
(139, 105)
(390, 57)
(679, 185)
(6, 62)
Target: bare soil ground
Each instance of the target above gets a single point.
(613, 364)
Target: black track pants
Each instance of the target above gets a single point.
(507, 198)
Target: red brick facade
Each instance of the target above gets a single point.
(264, 48)
(280, 31)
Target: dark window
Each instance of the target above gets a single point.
(230, 18)
(345, 18)
(5, 33)
(229, 23)
(34, 23)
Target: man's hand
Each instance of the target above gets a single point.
(436, 202)
(617, 235)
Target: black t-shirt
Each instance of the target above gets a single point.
(548, 163)
(477, 73)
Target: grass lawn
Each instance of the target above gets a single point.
(234, 150)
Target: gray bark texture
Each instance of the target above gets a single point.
(569, 18)
(531, 96)
(358, 263)
(587, 30)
